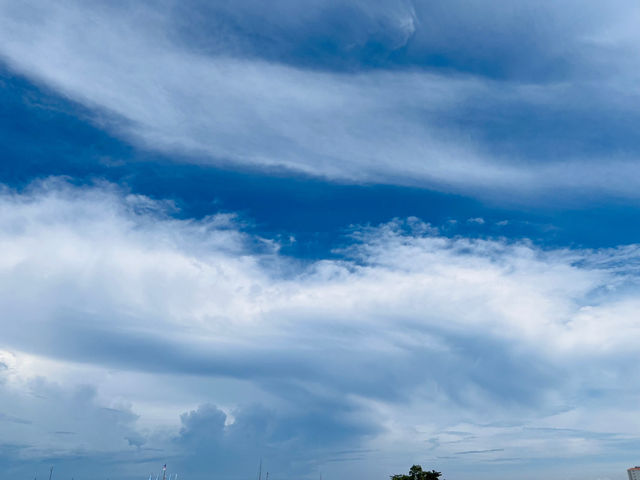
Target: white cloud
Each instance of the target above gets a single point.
(410, 332)
(403, 127)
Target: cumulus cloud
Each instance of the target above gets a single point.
(518, 107)
(299, 440)
(407, 335)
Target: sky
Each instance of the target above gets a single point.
(338, 237)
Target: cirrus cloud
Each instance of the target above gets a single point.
(514, 106)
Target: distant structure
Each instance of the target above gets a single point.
(634, 473)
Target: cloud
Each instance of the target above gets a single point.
(319, 35)
(49, 423)
(294, 442)
(224, 85)
(116, 311)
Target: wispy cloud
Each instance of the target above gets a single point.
(158, 76)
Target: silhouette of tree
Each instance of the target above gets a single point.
(416, 473)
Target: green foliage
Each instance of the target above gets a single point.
(416, 473)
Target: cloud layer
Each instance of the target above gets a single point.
(410, 345)
(138, 331)
(500, 99)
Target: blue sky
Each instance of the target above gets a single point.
(341, 236)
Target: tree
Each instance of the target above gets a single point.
(416, 473)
